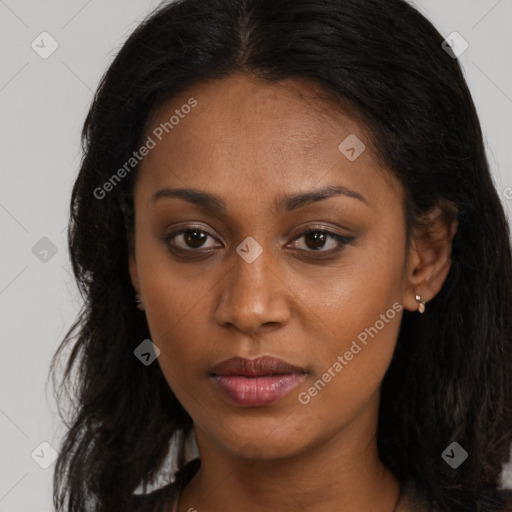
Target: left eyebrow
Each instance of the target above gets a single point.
(284, 204)
(295, 201)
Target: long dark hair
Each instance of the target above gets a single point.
(451, 375)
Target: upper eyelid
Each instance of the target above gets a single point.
(325, 230)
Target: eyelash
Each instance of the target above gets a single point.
(340, 239)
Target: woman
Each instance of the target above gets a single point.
(290, 249)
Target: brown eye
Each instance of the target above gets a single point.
(316, 239)
(194, 238)
(188, 239)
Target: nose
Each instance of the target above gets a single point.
(253, 294)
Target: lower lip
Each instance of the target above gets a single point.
(257, 391)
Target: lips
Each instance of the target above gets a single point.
(263, 365)
(256, 382)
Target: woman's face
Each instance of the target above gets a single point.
(250, 282)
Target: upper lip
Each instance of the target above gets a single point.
(264, 365)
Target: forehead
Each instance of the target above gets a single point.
(246, 134)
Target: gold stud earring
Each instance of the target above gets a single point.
(138, 301)
(421, 305)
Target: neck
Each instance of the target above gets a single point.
(342, 473)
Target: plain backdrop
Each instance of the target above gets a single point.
(43, 105)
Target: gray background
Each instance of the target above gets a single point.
(44, 103)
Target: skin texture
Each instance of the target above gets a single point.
(251, 144)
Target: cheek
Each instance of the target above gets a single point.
(176, 318)
(358, 312)
(351, 360)
(176, 310)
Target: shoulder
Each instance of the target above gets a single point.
(154, 501)
(415, 497)
(503, 500)
(163, 499)
(492, 500)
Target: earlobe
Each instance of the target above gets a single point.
(429, 259)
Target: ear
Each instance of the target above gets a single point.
(132, 267)
(132, 264)
(429, 257)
